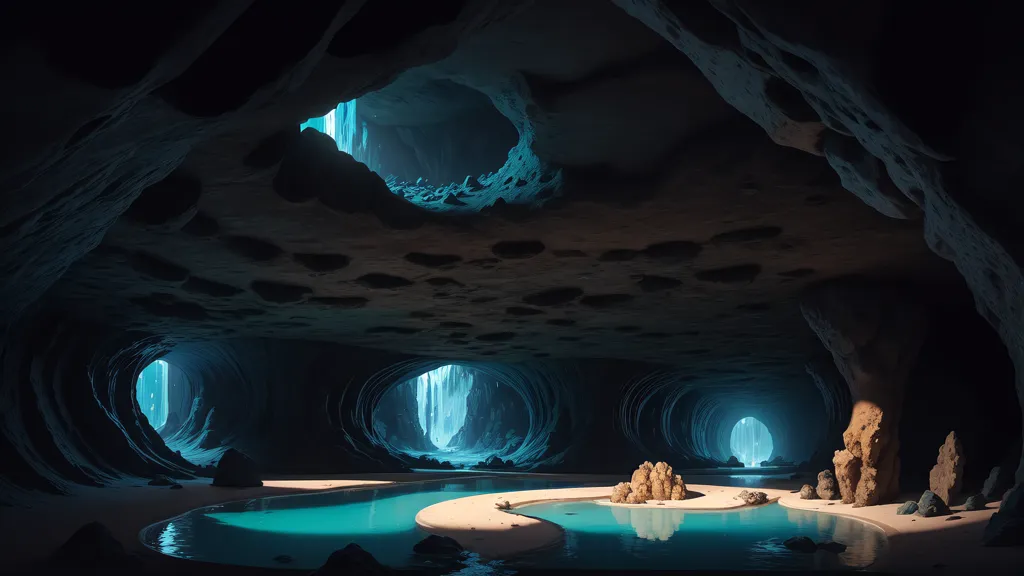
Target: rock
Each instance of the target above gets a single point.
(828, 488)
(620, 492)
(777, 461)
(236, 470)
(503, 505)
(976, 502)
(733, 462)
(954, 517)
(1006, 528)
(807, 492)
(434, 544)
(752, 497)
(833, 547)
(283, 559)
(801, 544)
(351, 559)
(868, 469)
(999, 480)
(931, 505)
(907, 508)
(947, 476)
(92, 549)
(161, 480)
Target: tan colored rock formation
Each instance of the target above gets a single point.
(650, 482)
(827, 488)
(868, 469)
(947, 476)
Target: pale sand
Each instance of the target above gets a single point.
(480, 527)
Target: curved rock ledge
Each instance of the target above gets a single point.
(481, 528)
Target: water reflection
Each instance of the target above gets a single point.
(650, 523)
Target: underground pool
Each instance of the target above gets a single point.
(301, 531)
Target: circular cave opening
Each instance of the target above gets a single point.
(751, 442)
(438, 144)
(163, 397)
(453, 416)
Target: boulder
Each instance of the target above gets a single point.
(1006, 528)
(999, 480)
(828, 488)
(868, 469)
(931, 505)
(92, 549)
(807, 492)
(947, 476)
(435, 544)
(976, 502)
(801, 544)
(733, 462)
(620, 492)
(907, 508)
(237, 470)
(351, 559)
(752, 497)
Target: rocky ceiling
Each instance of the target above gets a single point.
(642, 215)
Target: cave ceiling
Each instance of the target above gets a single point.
(656, 222)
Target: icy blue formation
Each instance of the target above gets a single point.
(151, 393)
(351, 135)
(441, 400)
(751, 442)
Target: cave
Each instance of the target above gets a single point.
(572, 285)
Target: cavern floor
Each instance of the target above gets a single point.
(916, 544)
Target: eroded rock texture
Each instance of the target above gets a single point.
(874, 333)
(650, 482)
(946, 478)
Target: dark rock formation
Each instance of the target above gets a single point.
(873, 332)
(947, 476)
(435, 544)
(161, 480)
(801, 544)
(999, 480)
(733, 462)
(351, 559)
(975, 502)
(907, 508)
(1006, 528)
(931, 505)
(237, 470)
(807, 492)
(828, 488)
(92, 549)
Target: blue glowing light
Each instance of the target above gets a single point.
(151, 393)
(751, 442)
(441, 400)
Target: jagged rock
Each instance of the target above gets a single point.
(807, 492)
(733, 462)
(620, 492)
(351, 560)
(931, 505)
(650, 482)
(92, 549)
(976, 502)
(833, 547)
(867, 471)
(1006, 528)
(907, 508)
(999, 480)
(435, 544)
(946, 477)
(752, 497)
(161, 480)
(237, 470)
(801, 544)
(828, 488)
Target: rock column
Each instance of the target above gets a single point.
(874, 333)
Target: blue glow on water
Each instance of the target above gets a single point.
(312, 526)
(751, 442)
(441, 399)
(618, 538)
(151, 393)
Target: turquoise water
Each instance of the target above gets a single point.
(619, 538)
(309, 527)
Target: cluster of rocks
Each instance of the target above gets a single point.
(777, 461)
(425, 461)
(495, 463)
(827, 489)
(650, 482)
(752, 497)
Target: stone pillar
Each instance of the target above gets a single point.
(874, 333)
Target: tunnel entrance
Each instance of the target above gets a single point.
(751, 442)
(452, 416)
(159, 392)
(437, 150)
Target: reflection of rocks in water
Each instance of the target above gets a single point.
(650, 523)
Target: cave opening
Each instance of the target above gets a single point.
(453, 416)
(437, 152)
(162, 395)
(751, 442)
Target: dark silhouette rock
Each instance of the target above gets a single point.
(976, 502)
(161, 480)
(1006, 528)
(801, 544)
(349, 561)
(931, 505)
(435, 544)
(237, 470)
(92, 549)
(999, 480)
(733, 462)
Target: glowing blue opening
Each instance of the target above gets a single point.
(151, 393)
(441, 400)
(751, 442)
(351, 135)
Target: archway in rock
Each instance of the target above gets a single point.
(751, 442)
